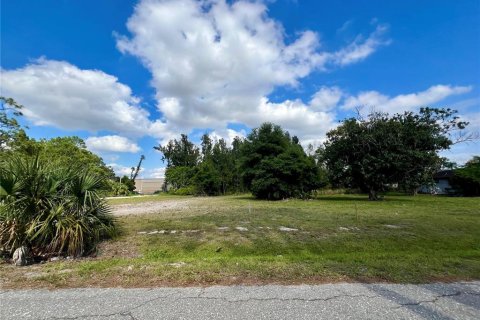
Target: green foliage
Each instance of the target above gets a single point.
(372, 153)
(9, 126)
(180, 152)
(179, 177)
(214, 171)
(467, 179)
(115, 188)
(207, 179)
(185, 191)
(270, 164)
(275, 166)
(127, 182)
(65, 152)
(52, 209)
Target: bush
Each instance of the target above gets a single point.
(185, 191)
(115, 188)
(52, 210)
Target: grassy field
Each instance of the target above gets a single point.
(145, 198)
(236, 239)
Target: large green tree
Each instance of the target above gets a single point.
(182, 156)
(72, 152)
(180, 153)
(378, 151)
(275, 166)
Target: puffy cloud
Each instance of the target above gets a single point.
(326, 99)
(154, 173)
(112, 143)
(381, 102)
(214, 63)
(120, 170)
(60, 94)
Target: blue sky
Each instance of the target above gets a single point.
(127, 75)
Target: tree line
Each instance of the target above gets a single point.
(269, 163)
(371, 154)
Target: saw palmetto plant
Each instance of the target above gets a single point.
(50, 209)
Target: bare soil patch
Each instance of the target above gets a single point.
(151, 207)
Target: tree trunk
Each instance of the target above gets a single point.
(372, 195)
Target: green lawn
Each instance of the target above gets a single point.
(338, 238)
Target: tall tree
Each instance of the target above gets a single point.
(224, 165)
(237, 182)
(372, 153)
(207, 146)
(275, 166)
(180, 152)
(182, 157)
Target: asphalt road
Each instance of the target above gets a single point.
(329, 301)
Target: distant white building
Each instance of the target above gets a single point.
(149, 186)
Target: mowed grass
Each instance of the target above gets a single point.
(236, 239)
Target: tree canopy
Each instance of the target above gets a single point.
(373, 153)
(211, 170)
(275, 166)
(180, 152)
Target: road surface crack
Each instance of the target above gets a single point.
(434, 300)
(279, 299)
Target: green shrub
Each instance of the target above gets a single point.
(53, 210)
(185, 191)
(115, 188)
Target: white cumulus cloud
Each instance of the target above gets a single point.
(120, 170)
(402, 102)
(215, 63)
(60, 94)
(111, 143)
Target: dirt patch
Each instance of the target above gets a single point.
(118, 249)
(150, 207)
